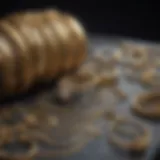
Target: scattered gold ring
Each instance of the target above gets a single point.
(138, 135)
(141, 103)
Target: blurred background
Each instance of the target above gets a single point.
(123, 18)
(133, 19)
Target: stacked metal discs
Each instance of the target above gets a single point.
(38, 46)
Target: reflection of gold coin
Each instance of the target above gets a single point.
(108, 77)
(35, 43)
(61, 38)
(79, 40)
(51, 29)
(24, 33)
(129, 135)
(63, 34)
(151, 77)
(118, 55)
(147, 105)
(7, 65)
(157, 63)
(135, 55)
(147, 76)
(139, 57)
(50, 49)
(110, 115)
(70, 45)
(24, 70)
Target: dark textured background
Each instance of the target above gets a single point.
(125, 18)
(137, 19)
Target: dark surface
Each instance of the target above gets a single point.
(103, 150)
(100, 149)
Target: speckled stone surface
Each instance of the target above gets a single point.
(100, 149)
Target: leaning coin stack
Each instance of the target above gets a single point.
(38, 46)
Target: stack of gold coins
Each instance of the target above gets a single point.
(39, 46)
